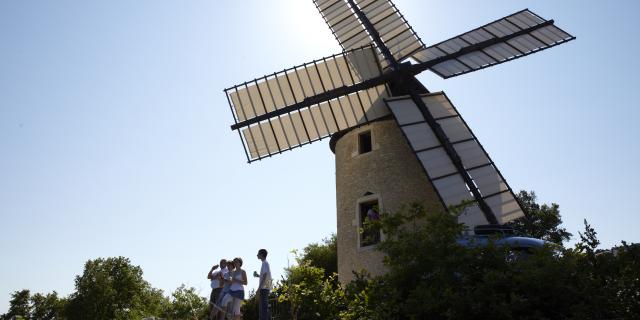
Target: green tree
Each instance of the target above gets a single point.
(309, 294)
(627, 279)
(187, 304)
(323, 255)
(113, 288)
(432, 277)
(46, 306)
(155, 303)
(19, 306)
(313, 279)
(588, 240)
(542, 221)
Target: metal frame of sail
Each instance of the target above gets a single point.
(264, 118)
(389, 77)
(418, 68)
(473, 138)
(415, 96)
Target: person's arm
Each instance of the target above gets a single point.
(244, 277)
(210, 274)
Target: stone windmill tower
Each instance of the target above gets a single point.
(394, 141)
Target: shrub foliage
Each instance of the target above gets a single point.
(431, 276)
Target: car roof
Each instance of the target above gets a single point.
(511, 241)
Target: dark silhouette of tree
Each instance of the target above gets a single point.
(542, 221)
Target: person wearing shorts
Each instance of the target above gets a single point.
(216, 278)
(236, 290)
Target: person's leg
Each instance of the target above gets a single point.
(221, 297)
(214, 313)
(213, 310)
(224, 306)
(264, 304)
(215, 293)
(237, 303)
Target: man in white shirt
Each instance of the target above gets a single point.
(264, 287)
(217, 282)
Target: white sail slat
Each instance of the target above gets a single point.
(438, 164)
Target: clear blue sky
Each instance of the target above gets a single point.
(115, 139)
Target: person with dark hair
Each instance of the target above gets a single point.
(235, 296)
(217, 282)
(218, 309)
(264, 286)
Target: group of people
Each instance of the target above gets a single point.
(227, 287)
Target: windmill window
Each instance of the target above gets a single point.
(364, 142)
(368, 227)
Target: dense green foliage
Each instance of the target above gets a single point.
(110, 288)
(19, 305)
(113, 289)
(443, 280)
(48, 306)
(187, 304)
(309, 289)
(432, 277)
(543, 221)
(322, 255)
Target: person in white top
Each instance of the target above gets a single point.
(236, 290)
(216, 281)
(264, 286)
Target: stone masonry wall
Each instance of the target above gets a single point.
(391, 173)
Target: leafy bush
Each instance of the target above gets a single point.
(110, 288)
(431, 276)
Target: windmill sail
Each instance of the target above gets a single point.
(441, 171)
(254, 103)
(269, 93)
(393, 29)
(509, 38)
(313, 123)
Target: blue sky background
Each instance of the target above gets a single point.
(115, 139)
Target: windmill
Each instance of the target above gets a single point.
(372, 83)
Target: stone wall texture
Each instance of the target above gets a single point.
(391, 172)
